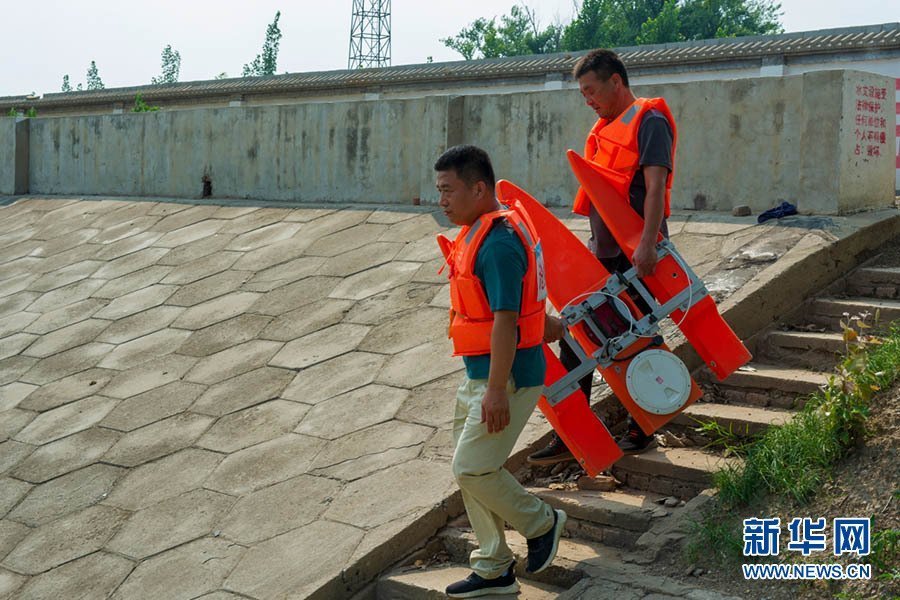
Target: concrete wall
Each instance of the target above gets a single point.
(749, 141)
(13, 156)
(351, 151)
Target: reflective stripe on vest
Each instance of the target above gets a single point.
(614, 144)
(471, 319)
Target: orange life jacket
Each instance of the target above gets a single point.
(614, 144)
(471, 319)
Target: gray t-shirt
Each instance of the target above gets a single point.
(654, 149)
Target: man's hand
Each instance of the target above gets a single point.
(644, 258)
(495, 409)
(553, 329)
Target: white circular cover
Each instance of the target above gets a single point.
(658, 381)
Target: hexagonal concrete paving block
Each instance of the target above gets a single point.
(11, 533)
(278, 508)
(281, 272)
(67, 315)
(10, 582)
(269, 570)
(184, 218)
(132, 282)
(17, 303)
(140, 324)
(139, 350)
(257, 238)
(130, 262)
(258, 218)
(158, 439)
(66, 420)
(373, 500)
(346, 240)
(243, 391)
(331, 223)
(274, 254)
(201, 268)
(419, 365)
(306, 320)
(333, 377)
(253, 425)
(68, 389)
(216, 310)
(66, 455)
(294, 295)
(15, 344)
(16, 322)
(433, 403)
(65, 539)
(319, 346)
(184, 572)
(401, 334)
(370, 441)
(13, 421)
(152, 406)
(423, 250)
(209, 288)
(165, 478)
(404, 300)
(66, 494)
(136, 302)
(123, 230)
(375, 280)
(68, 294)
(94, 576)
(354, 261)
(352, 411)
(233, 361)
(194, 250)
(65, 276)
(149, 375)
(12, 454)
(224, 335)
(414, 229)
(137, 245)
(189, 233)
(61, 365)
(264, 464)
(66, 338)
(170, 523)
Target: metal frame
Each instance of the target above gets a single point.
(647, 326)
(370, 34)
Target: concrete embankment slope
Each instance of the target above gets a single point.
(257, 400)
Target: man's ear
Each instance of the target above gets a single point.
(480, 189)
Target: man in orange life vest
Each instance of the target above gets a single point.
(497, 326)
(635, 136)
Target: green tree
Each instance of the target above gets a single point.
(617, 23)
(171, 66)
(518, 33)
(222, 75)
(93, 78)
(266, 62)
(66, 87)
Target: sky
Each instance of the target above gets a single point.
(42, 42)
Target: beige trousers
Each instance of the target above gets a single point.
(491, 494)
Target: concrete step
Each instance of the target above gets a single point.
(679, 472)
(829, 311)
(743, 421)
(877, 282)
(615, 518)
(586, 569)
(805, 349)
(411, 583)
(764, 385)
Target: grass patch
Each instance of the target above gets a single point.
(793, 461)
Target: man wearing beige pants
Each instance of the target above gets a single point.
(497, 326)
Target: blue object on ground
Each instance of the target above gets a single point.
(782, 210)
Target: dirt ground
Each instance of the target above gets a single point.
(865, 483)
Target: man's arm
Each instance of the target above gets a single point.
(495, 405)
(645, 254)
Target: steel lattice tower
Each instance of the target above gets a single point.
(370, 34)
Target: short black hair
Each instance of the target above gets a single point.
(471, 164)
(602, 62)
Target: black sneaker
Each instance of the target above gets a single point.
(635, 440)
(555, 452)
(475, 585)
(542, 549)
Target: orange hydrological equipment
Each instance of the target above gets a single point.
(471, 319)
(614, 145)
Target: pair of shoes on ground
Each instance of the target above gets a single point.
(634, 441)
(541, 552)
